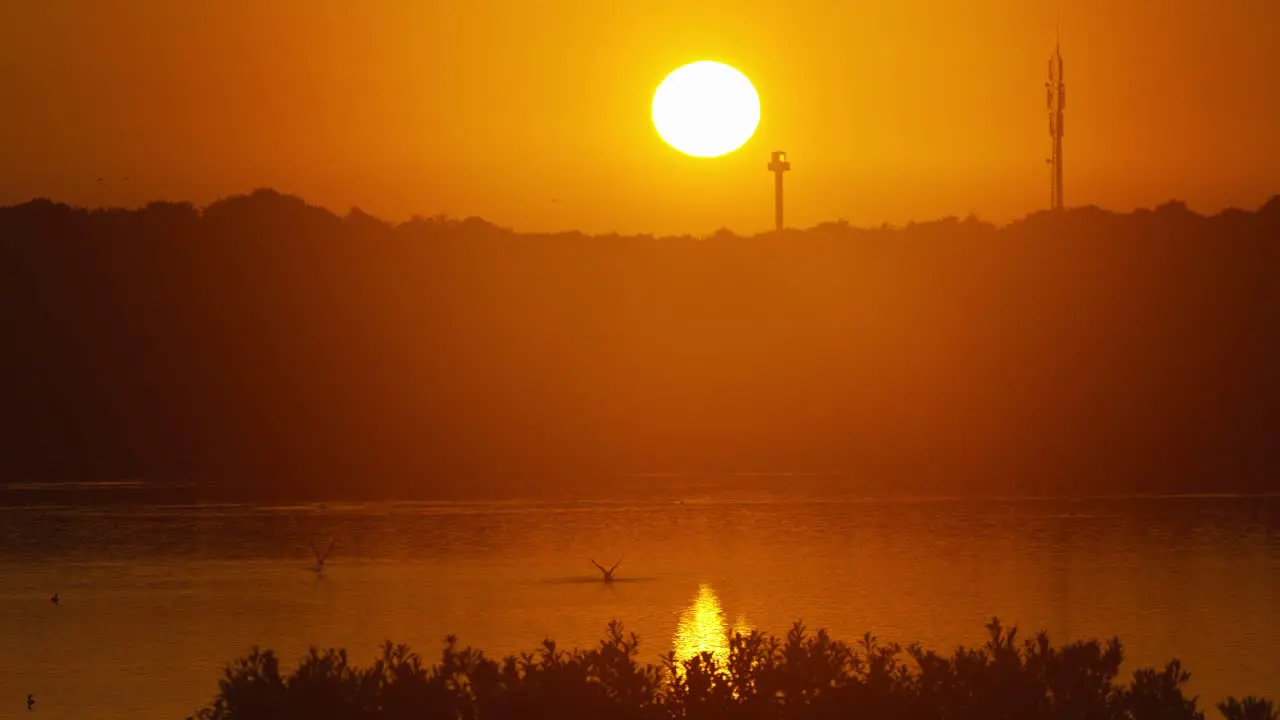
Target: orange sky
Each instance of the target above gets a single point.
(891, 110)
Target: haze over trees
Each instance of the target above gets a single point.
(264, 341)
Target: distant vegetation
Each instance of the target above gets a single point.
(763, 678)
(264, 338)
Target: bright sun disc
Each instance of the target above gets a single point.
(706, 109)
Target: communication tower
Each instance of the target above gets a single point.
(1056, 96)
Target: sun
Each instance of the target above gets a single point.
(706, 109)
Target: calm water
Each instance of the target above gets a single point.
(157, 598)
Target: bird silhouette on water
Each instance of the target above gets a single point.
(54, 599)
(31, 701)
(608, 574)
(321, 558)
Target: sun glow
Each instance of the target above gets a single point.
(703, 628)
(706, 109)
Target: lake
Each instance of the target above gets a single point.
(156, 597)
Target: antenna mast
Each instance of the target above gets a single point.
(1056, 96)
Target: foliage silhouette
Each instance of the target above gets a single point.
(806, 675)
(260, 339)
(1251, 708)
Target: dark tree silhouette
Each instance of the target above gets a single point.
(762, 678)
(1251, 708)
(260, 340)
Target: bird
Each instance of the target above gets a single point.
(54, 599)
(31, 701)
(608, 574)
(321, 558)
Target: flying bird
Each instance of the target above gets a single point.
(608, 574)
(321, 558)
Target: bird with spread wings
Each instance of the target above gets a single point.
(608, 574)
(321, 558)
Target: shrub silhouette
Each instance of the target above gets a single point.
(1251, 708)
(804, 676)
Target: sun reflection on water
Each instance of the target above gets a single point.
(703, 628)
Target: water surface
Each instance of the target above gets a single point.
(156, 598)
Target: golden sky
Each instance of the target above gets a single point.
(535, 113)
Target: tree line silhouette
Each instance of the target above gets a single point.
(260, 338)
(804, 676)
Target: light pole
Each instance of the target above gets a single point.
(778, 164)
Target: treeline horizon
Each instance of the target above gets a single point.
(265, 342)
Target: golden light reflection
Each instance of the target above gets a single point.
(703, 628)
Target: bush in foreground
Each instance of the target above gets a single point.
(762, 678)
